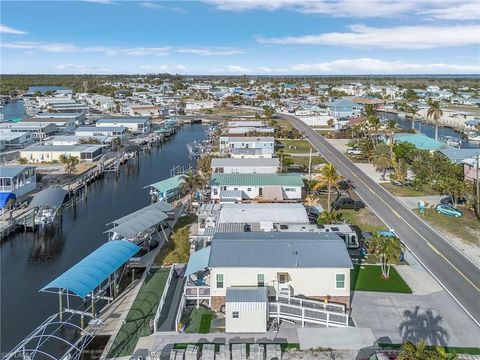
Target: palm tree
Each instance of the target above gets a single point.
(374, 124)
(328, 177)
(382, 158)
(332, 217)
(412, 351)
(71, 163)
(369, 110)
(191, 183)
(368, 148)
(388, 250)
(435, 113)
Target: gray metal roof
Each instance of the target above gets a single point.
(125, 120)
(237, 139)
(278, 250)
(61, 148)
(51, 197)
(457, 155)
(100, 128)
(287, 213)
(246, 294)
(11, 171)
(217, 162)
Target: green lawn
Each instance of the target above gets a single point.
(467, 227)
(365, 219)
(142, 311)
(368, 278)
(296, 146)
(198, 320)
(303, 161)
(408, 190)
(177, 249)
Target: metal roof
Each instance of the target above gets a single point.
(247, 294)
(158, 206)
(457, 155)
(169, 184)
(277, 213)
(198, 261)
(100, 128)
(245, 162)
(125, 120)
(256, 180)
(237, 139)
(89, 273)
(51, 197)
(421, 141)
(278, 250)
(11, 171)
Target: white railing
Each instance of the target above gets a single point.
(181, 307)
(158, 313)
(308, 303)
(197, 292)
(307, 315)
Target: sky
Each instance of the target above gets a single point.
(240, 37)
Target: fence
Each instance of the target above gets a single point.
(162, 299)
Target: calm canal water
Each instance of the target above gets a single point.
(14, 111)
(29, 261)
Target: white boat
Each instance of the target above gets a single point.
(473, 136)
(451, 141)
(401, 115)
(45, 217)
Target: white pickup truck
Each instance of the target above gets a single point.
(354, 151)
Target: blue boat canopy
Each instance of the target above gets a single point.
(5, 197)
(198, 261)
(89, 273)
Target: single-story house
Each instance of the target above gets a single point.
(245, 166)
(458, 155)
(49, 153)
(258, 187)
(14, 140)
(344, 108)
(421, 141)
(36, 129)
(113, 131)
(136, 124)
(229, 143)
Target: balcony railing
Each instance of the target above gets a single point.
(197, 292)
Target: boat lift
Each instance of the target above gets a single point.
(66, 334)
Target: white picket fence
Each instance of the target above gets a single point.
(158, 313)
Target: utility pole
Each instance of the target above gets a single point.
(478, 185)
(310, 166)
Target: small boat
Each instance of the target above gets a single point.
(401, 115)
(473, 136)
(451, 141)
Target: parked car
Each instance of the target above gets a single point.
(348, 203)
(354, 151)
(448, 210)
(449, 200)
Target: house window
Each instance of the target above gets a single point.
(260, 280)
(215, 191)
(235, 314)
(219, 281)
(282, 278)
(249, 189)
(290, 189)
(340, 281)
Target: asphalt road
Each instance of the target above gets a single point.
(455, 272)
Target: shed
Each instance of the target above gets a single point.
(246, 310)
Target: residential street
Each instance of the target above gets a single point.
(459, 276)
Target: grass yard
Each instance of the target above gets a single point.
(369, 278)
(407, 190)
(466, 228)
(365, 219)
(296, 146)
(142, 311)
(303, 161)
(177, 249)
(199, 320)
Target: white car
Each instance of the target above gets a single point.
(354, 151)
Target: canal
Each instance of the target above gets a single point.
(29, 261)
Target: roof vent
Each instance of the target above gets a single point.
(294, 252)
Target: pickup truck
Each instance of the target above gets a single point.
(348, 203)
(354, 151)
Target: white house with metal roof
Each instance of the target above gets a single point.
(245, 166)
(136, 124)
(298, 270)
(16, 181)
(257, 187)
(49, 153)
(265, 144)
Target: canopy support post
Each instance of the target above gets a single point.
(60, 305)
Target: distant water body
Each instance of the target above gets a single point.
(14, 111)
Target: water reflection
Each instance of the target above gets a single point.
(47, 244)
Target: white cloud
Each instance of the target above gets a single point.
(103, 2)
(180, 67)
(210, 52)
(344, 8)
(375, 66)
(265, 69)
(150, 5)
(401, 37)
(238, 69)
(467, 11)
(4, 29)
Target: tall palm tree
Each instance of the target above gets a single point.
(191, 183)
(328, 177)
(388, 250)
(382, 158)
(369, 110)
(435, 113)
(374, 124)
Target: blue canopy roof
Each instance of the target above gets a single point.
(4, 197)
(198, 261)
(86, 275)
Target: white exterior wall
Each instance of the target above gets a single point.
(248, 169)
(265, 155)
(130, 126)
(253, 191)
(46, 155)
(252, 317)
(198, 105)
(308, 282)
